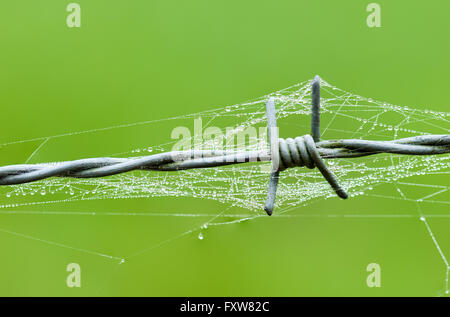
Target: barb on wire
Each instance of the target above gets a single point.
(307, 151)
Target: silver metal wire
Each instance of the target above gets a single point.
(284, 153)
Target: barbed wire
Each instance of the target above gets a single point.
(307, 151)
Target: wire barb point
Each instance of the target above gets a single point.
(315, 109)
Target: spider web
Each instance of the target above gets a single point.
(419, 179)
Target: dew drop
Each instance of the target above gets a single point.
(200, 236)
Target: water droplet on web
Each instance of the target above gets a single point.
(200, 236)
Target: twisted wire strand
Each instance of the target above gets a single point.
(106, 166)
(292, 153)
(302, 151)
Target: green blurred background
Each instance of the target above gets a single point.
(142, 60)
